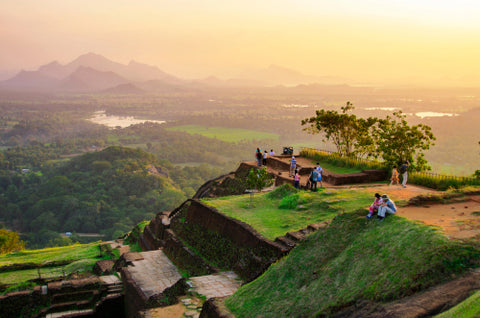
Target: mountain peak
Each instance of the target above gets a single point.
(90, 58)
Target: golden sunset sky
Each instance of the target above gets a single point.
(371, 41)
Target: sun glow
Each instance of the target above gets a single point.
(379, 41)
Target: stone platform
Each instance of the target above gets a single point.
(154, 273)
(216, 285)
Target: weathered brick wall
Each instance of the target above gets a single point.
(185, 258)
(238, 232)
(27, 303)
(226, 242)
(135, 298)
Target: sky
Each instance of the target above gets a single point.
(424, 42)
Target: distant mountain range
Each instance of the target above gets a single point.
(93, 73)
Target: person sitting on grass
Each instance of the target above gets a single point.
(375, 205)
(387, 206)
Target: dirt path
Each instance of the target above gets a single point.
(457, 220)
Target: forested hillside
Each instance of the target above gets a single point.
(105, 192)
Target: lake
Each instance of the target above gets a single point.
(112, 121)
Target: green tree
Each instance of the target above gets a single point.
(396, 141)
(9, 242)
(258, 179)
(349, 134)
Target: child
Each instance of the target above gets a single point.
(394, 178)
(375, 205)
(296, 178)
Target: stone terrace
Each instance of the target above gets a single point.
(216, 285)
(154, 273)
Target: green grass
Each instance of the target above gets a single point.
(75, 251)
(226, 134)
(351, 260)
(84, 257)
(470, 308)
(285, 209)
(14, 277)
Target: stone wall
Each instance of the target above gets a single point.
(238, 232)
(61, 295)
(226, 242)
(218, 240)
(365, 176)
(136, 299)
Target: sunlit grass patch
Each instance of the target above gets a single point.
(286, 209)
(226, 134)
(75, 251)
(83, 258)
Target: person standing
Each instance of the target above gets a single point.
(403, 171)
(265, 158)
(272, 153)
(258, 156)
(320, 171)
(293, 166)
(394, 179)
(313, 179)
(387, 206)
(296, 179)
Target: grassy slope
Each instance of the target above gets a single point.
(85, 256)
(286, 209)
(226, 134)
(75, 251)
(351, 260)
(470, 308)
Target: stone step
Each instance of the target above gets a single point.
(115, 290)
(296, 236)
(73, 296)
(316, 226)
(71, 313)
(72, 305)
(285, 241)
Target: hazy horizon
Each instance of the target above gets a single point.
(428, 43)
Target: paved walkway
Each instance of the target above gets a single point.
(154, 273)
(216, 285)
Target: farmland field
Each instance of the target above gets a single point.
(226, 134)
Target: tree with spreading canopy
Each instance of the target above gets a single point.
(390, 139)
(349, 134)
(397, 142)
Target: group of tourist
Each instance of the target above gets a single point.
(313, 179)
(382, 205)
(262, 157)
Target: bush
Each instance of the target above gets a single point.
(341, 161)
(282, 191)
(291, 201)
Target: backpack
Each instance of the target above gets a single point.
(403, 169)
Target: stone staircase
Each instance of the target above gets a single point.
(291, 239)
(82, 303)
